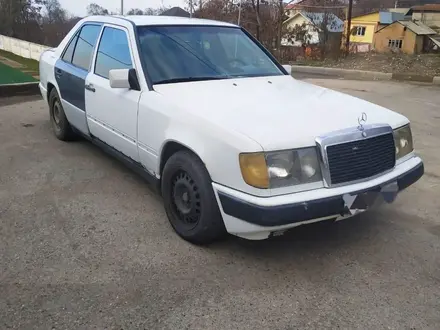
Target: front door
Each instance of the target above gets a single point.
(112, 112)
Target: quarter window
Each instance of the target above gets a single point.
(85, 45)
(69, 51)
(113, 52)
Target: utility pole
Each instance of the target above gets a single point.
(280, 26)
(239, 14)
(258, 20)
(122, 7)
(349, 15)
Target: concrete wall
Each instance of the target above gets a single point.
(22, 48)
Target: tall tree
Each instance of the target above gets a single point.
(55, 22)
(19, 17)
(155, 11)
(95, 9)
(54, 13)
(135, 11)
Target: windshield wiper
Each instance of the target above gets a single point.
(188, 79)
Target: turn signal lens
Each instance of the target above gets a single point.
(254, 170)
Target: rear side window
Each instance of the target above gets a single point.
(85, 45)
(69, 51)
(113, 52)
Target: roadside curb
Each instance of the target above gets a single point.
(10, 90)
(364, 75)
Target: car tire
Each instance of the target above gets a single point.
(60, 125)
(189, 199)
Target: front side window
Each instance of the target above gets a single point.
(113, 52)
(190, 53)
(85, 46)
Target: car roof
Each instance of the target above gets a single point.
(145, 20)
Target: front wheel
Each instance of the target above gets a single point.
(189, 199)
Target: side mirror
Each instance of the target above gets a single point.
(124, 78)
(288, 68)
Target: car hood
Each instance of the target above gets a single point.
(277, 112)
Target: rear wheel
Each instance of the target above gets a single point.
(61, 127)
(189, 199)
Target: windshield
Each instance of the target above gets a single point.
(192, 53)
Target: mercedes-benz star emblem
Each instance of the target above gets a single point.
(362, 120)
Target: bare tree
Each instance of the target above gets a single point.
(155, 11)
(135, 11)
(95, 9)
(55, 22)
(54, 12)
(298, 35)
(256, 7)
(18, 18)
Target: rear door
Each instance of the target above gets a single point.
(112, 113)
(71, 71)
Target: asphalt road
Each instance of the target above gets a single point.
(85, 244)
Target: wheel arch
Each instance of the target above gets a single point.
(50, 87)
(217, 148)
(171, 147)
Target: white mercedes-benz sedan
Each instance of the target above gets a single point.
(233, 142)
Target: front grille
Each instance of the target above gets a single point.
(361, 159)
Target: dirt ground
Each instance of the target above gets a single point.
(424, 64)
(85, 244)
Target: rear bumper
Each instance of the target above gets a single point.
(306, 210)
(43, 91)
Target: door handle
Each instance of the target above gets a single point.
(90, 87)
(58, 72)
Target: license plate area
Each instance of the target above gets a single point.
(361, 202)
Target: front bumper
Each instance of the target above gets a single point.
(338, 205)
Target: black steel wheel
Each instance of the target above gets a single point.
(186, 199)
(189, 199)
(61, 127)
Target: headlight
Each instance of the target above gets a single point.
(280, 168)
(403, 141)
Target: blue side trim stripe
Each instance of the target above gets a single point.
(71, 81)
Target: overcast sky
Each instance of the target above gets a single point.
(79, 7)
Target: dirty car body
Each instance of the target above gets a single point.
(232, 140)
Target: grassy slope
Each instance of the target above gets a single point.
(26, 62)
(10, 75)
